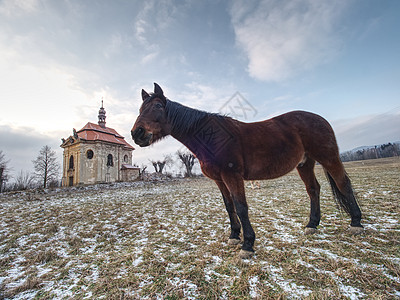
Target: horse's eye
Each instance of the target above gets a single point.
(158, 105)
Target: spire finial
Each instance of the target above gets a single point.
(102, 115)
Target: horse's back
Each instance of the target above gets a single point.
(307, 127)
(275, 146)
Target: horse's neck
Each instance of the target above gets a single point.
(184, 122)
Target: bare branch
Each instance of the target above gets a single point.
(46, 166)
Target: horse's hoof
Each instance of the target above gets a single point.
(233, 242)
(356, 230)
(310, 230)
(244, 254)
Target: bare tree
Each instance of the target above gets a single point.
(143, 169)
(168, 161)
(46, 166)
(160, 164)
(24, 181)
(3, 170)
(155, 165)
(188, 160)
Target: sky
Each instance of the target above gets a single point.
(251, 59)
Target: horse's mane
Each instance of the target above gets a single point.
(184, 119)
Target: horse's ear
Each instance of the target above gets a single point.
(145, 95)
(158, 90)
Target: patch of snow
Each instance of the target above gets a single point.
(190, 290)
(283, 233)
(351, 292)
(296, 291)
(137, 261)
(348, 291)
(44, 271)
(253, 281)
(25, 295)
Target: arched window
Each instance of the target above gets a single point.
(89, 154)
(110, 160)
(126, 159)
(71, 162)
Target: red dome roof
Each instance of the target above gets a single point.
(94, 132)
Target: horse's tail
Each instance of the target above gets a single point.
(344, 202)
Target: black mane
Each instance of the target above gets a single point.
(184, 119)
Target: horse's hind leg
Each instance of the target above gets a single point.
(344, 195)
(306, 172)
(234, 237)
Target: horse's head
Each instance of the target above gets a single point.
(151, 124)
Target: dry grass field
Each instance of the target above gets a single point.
(168, 240)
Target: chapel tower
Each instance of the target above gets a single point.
(102, 116)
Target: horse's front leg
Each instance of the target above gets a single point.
(234, 237)
(235, 185)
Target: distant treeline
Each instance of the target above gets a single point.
(381, 151)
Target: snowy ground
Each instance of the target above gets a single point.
(168, 240)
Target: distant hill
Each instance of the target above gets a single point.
(372, 152)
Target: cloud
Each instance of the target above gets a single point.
(149, 57)
(22, 145)
(153, 19)
(39, 97)
(283, 38)
(367, 130)
(18, 7)
(114, 46)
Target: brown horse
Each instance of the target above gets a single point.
(230, 151)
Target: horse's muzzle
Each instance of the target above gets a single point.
(140, 137)
(137, 133)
